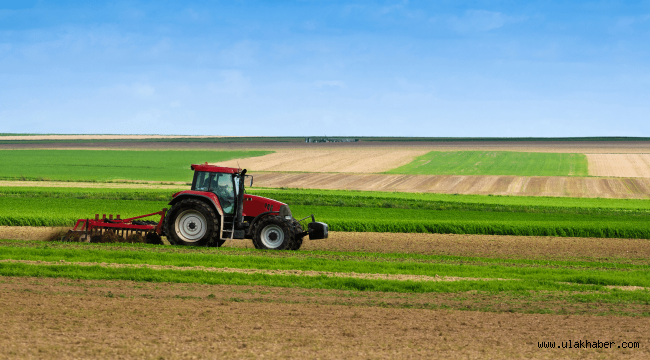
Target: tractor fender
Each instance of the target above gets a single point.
(213, 201)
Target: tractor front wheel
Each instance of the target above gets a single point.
(273, 233)
(191, 222)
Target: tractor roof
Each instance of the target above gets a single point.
(212, 168)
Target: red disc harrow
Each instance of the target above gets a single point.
(85, 229)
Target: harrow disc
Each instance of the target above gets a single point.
(75, 236)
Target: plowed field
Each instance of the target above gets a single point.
(620, 188)
(636, 188)
(619, 165)
(64, 319)
(321, 160)
(493, 246)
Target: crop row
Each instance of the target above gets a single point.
(374, 199)
(64, 212)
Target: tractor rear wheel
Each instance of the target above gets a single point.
(273, 233)
(191, 222)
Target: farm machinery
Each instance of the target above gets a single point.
(216, 209)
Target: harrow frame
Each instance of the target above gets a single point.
(122, 227)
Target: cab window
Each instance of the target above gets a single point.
(221, 185)
(202, 181)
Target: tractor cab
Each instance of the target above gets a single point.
(224, 185)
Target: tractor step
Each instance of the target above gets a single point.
(239, 234)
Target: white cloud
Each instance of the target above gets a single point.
(481, 20)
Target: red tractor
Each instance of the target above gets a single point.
(216, 209)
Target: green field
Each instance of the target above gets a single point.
(354, 198)
(532, 285)
(496, 163)
(109, 165)
(356, 212)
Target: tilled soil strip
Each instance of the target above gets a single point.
(556, 186)
(398, 277)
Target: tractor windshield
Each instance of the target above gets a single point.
(221, 184)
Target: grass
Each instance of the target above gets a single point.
(496, 163)
(107, 165)
(560, 272)
(65, 211)
(431, 201)
(359, 211)
(542, 287)
(597, 263)
(353, 198)
(290, 281)
(527, 286)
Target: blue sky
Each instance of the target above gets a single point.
(365, 68)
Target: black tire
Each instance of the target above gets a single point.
(297, 239)
(273, 233)
(191, 222)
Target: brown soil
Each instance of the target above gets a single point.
(491, 246)
(47, 318)
(30, 233)
(619, 165)
(622, 188)
(362, 160)
(634, 188)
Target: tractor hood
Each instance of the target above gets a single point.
(255, 205)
